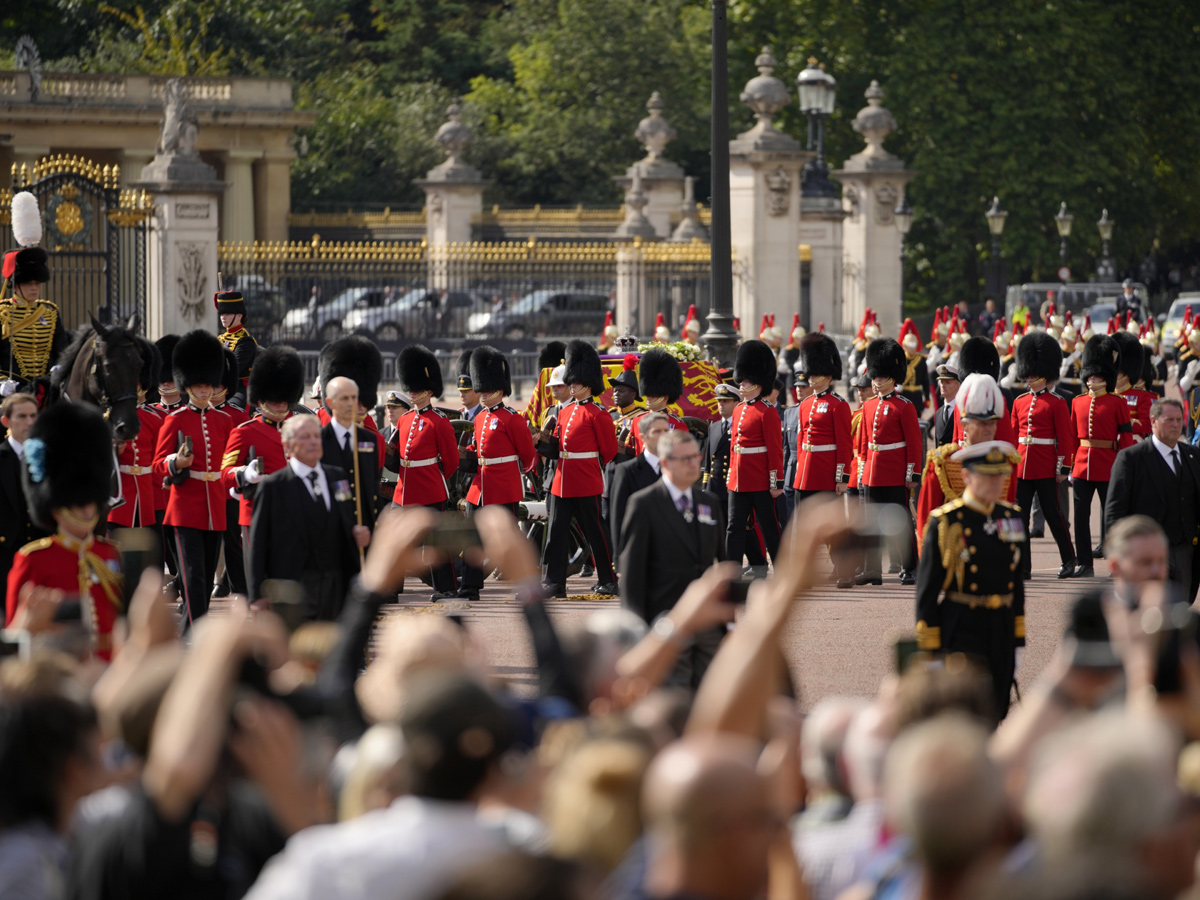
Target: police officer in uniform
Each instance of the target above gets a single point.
(970, 596)
(235, 338)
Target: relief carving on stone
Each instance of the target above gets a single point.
(886, 196)
(191, 281)
(437, 208)
(850, 195)
(778, 192)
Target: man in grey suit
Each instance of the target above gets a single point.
(673, 532)
(635, 474)
(1160, 478)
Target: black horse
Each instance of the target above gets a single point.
(101, 366)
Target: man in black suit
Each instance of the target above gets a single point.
(303, 528)
(673, 532)
(943, 419)
(635, 474)
(17, 414)
(1160, 478)
(362, 464)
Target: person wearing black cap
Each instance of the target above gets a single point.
(471, 405)
(970, 596)
(31, 330)
(232, 310)
(1128, 302)
(395, 404)
(627, 405)
(715, 467)
(943, 420)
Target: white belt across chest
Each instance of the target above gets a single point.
(134, 470)
(418, 463)
(497, 460)
(204, 476)
(877, 447)
(818, 448)
(1040, 441)
(565, 454)
(749, 451)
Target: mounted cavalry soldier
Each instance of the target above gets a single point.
(31, 329)
(235, 338)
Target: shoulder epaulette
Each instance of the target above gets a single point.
(949, 507)
(511, 410)
(34, 546)
(153, 409)
(439, 412)
(175, 412)
(247, 422)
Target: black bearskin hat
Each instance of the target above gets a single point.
(229, 303)
(277, 376)
(231, 382)
(1038, 356)
(978, 355)
(68, 461)
(462, 370)
(199, 358)
(490, 372)
(419, 371)
(552, 355)
(886, 359)
(659, 375)
(354, 357)
(1101, 356)
(151, 365)
(583, 367)
(166, 352)
(819, 356)
(1131, 355)
(755, 362)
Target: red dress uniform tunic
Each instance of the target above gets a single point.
(1045, 437)
(236, 416)
(586, 442)
(823, 443)
(162, 493)
(942, 483)
(856, 461)
(1139, 411)
(505, 449)
(889, 441)
(1101, 425)
(90, 569)
(755, 447)
(199, 502)
(673, 422)
(1004, 427)
(426, 455)
(258, 438)
(136, 465)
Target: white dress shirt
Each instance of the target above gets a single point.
(302, 471)
(653, 460)
(340, 433)
(17, 445)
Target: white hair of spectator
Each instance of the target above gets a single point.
(647, 420)
(822, 738)
(673, 439)
(1103, 786)
(865, 750)
(943, 790)
(291, 425)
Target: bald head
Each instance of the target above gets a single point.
(341, 396)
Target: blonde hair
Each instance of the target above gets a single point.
(408, 645)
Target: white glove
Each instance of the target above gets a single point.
(1189, 376)
(1020, 653)
(233, 494)
(252, 474)
(8, 387)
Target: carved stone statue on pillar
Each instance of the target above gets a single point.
(176, 159)
(453, 188)
(662, 179)
(690, 228)
(636, 224)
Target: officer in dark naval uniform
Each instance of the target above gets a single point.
(236, 339)
(970, 596)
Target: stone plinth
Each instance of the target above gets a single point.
(662, 183)
(450, 206)
(181, 262)
(821, 229)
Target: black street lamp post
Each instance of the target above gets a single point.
(995, 221)
(1062, 222)
(817, 91)
(904, 219)
(1106, 270)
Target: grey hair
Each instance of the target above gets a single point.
(822, 738)
(865, 750)
(1156, 408)
(672, 439)
(292, 424)
(648, 420)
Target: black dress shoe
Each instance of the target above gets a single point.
(1084, 572)
(587, 572)
(1034, 534)
(1098, 552)
(555, 590)
(868, 578)
(907, 577)
(1026, 574)
(220, 590)
(607, 590)
(443, 595)
(1067, 570)
(468, 594)
(845, 583)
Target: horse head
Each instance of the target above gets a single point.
(116, 364)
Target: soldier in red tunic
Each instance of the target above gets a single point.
(255, 448)
(501, 449)
(584, 440)
(1045, 442)
(424, 450)
(135, 458)
(889, 443)
(980, 355)
(167, 399)
(755, 452)
(1133, 359)
(191, 444)
(233, 562)
(67, 477)
(660, 382)
(1101, 424)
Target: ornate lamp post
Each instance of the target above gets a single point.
(817, 91)
(720, 339)
(995, 221)
(904, 218)
(1062, 222)
(1105, 269)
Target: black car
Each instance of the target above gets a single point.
(544, 312)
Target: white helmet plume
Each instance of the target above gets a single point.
(980, 397)
(26, 219)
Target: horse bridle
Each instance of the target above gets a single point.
(94, 375)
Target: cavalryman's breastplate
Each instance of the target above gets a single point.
(30, 334)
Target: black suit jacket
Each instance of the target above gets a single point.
(368, 468)
(1142, 483)
(943, 425)
(16, 528)
(280, 540)
(663, 554)
(629, 477)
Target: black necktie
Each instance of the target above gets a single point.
(316, 487)
(1175, 461)
(346, 445)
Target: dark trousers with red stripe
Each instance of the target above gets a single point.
(1046, 490)
(473, 576)
(1084, 490)
(585, 511)
(904, 547)
(741, 505)
(442, 577)
(196, 550)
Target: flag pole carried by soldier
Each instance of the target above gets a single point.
(231, 307)
(31, 330)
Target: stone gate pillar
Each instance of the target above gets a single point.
(661, 179)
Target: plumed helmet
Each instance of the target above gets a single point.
(1101, 356)
(490, 371)
(229, 303)
(1038, 356)
(229, 379)
(166, 352)
(583, 367)
(419, 371)
(355, 357)
(659, 375)
(1131, 355)
(151, 365)
(886, 359)
(68, 461)
(819, 356)
(980, 397)
(552, 355)
(199, 358)
(28, 263)
(462, 371)
(978, 354)
(277, 376)
(755, 363)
